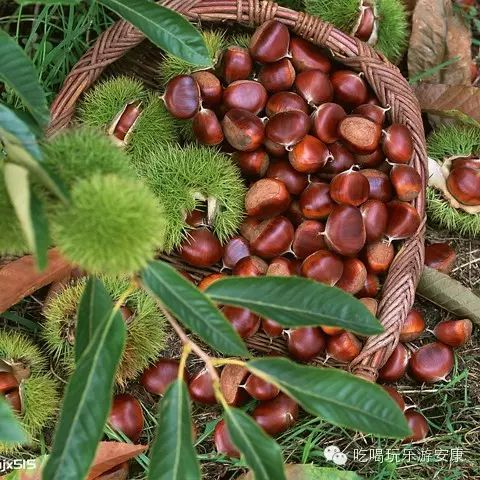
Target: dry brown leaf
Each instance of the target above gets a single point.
(21, 278)
(440, 98)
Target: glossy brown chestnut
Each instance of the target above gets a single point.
(278, 76)
(331, 330)
(323, 266)
(8, 382)
(288, 128)
(201, 388)
(252, 164)
(395, 396)
(270, 42)
(236, 249)
(398, 143)
(309, 155)
(250, 267)
(281, 267)
(431, 363)
(380, 186)
(350, 188)
(271, 328)
(294, 214)
(370, 160)
(182, 97)
(272, 237)
(366, 24)
(417, 424)
(403, 220)
(326, 119)
(267, 197)
(232, 380)
(156, 378)
(284, 102)
(247, 227)
(342, 159)
(208, 280)
(245, 95)
(413, 326)
(127, 119)
(359, 134)
(260, 389)
(470, 162)
(282, 170)
(378, 256)
(126, 415)
(244, 321)
(207, 128)
(464, 184)
(315, 201)
(308, 238)
(223, 442)
(396, 366)
(274, 149)
(237, 64)
(375, 219)
(314, 86)
(406, 181)
(375, 113)
(277, 415)
(243, 130)
(306, 56)
(196, 218)
(371, 304)
(210, 88)
(305, 343)
(440, 256)
(345, 231)
(371, 286)
(454, 333)
(353, 277)
(201, 248)
(350, 89)
(343, 347)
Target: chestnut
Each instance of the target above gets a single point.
(331, 330)
(370, 160)
(294, 213)
(323, 266)
(284, 102)
(350, 188)
(431, 363)
(126, 121)
(440, 256)
(270, 42)
(406, 181)
(196, 218)
(201, 248)
(343, 347)
(375, 219)
(359, 134)
(378, 256)
(470, 162)
(371, 286)
(271, 327)
(345, 231)
(380, 185)
(126, 415)
(349, 88)
(273, 237)
(315, 201)
(247, 227)
(342, 159)
(8, 382)
(395, 396)
(398, 143)
(417, 424)
(267, 197)
(396, 365)
(245, 95)
(274, 149)
(252, 164)
(288, 128)
(282, 170)
(251, 266)
(353, 276)
(207, 128)
(375, 113)
(210, 88)
(308, 238)
(208, 280)
(454, 333)
(413, 326)
(260, 389)
(314, 86)
(326, 119)
(305, 343)
(244, 321)
(236, 249)
(464, 184)
(243, 130)
(156, 378)
(366, 23)
(182, 97)
(278, 76)
(281, 267)
(403, 220)
(277, 415)
(232, 379)
(371, 304)
(201, 388)
(306, 56)
(223, 442)
(309, 155)
(236, 64)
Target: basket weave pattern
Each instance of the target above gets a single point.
(391, 88)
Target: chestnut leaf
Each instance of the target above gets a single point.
(173, 456)
(296, 302)
(337, 396)
(10, 429)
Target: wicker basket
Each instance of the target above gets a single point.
(392, 89)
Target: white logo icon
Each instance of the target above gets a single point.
(333, 454)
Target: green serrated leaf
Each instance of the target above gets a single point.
(48, 2)
(87, 403)
(295, 302)
(261, 452)
(173, 456)
(337, 396)
(165, 28)
(191, 307)
(18, 72)
(10, 429)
